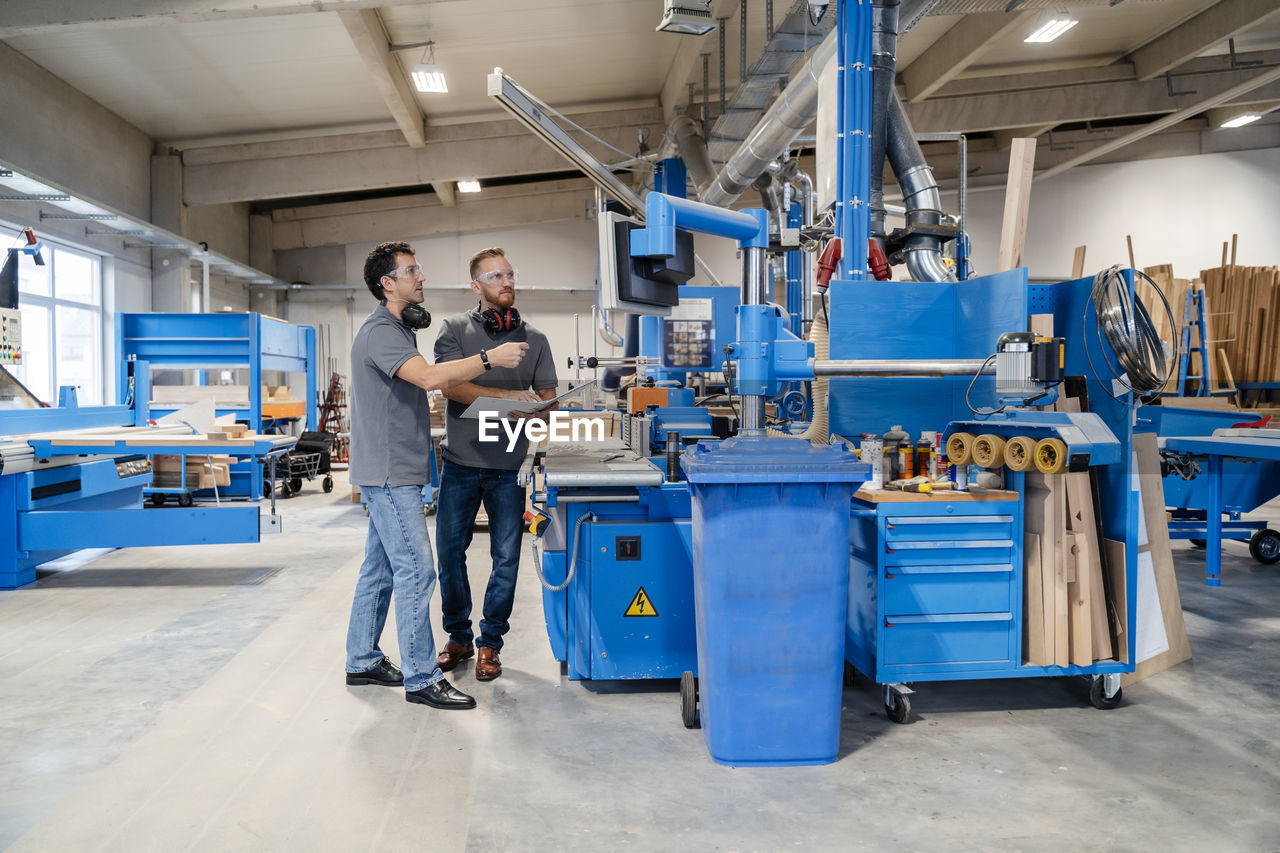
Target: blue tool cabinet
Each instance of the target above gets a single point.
(935, 587)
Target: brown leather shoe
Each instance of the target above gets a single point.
(453, 654)
(488, 665)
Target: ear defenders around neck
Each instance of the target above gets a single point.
(505, 320)
(415, 316)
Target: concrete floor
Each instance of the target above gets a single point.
(147, 706)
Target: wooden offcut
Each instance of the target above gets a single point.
(1017, 201)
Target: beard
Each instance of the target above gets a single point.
(504, 300)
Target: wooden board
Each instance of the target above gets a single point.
(1033, 642)
(141, 442)
(1119, 602)
(1153, 509)
(949, 496)
(1077, 263)
(1079, 599)
(1043, 515)
(1017, 200)
(1081, 520)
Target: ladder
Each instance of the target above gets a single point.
(1193, 327)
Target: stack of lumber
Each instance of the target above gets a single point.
(1175, 291)
(1245, 304)
(203, 472)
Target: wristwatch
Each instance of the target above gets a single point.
(484, 359)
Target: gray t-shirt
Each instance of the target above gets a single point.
(390, 418)
(464, 335)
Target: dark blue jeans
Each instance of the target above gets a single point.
(462, 490)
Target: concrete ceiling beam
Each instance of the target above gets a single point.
(22, 17)
(445, 192)
(958, 48)
(370, 38)
(1091, 101)
(1193, 37)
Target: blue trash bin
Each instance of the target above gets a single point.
(771, 581)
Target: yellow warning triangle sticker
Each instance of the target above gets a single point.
(641, 605)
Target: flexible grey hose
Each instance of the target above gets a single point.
(573, 563)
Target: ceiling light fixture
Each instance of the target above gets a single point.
(688, 17)
(1051, 29)
(472, 186)
(426, 75)
(1241, 120)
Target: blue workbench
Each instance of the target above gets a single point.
(1216, 449)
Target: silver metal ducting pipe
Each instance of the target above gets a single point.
(692, 148)
(884, 59)
(788, 116)
(919, 194)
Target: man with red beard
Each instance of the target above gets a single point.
(477, 472)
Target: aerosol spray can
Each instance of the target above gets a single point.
(940, 457)
(960, 473)
(907, 460)
(924, 456)
(872, 448)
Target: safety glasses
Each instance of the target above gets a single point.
(499, 275)
(413, 269)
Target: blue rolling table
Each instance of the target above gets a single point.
(1217, 448)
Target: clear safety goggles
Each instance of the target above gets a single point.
(499, 275)
(412, 269)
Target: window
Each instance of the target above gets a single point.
(61, 306)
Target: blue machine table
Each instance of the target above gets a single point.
(936, 591)
(1263, 448)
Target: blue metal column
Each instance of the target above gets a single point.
(795, 263)
(313, 371)
(1213, 525)
(670, 177)
(853, 137)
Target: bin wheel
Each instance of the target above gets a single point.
(327, 485)
(1019, 453)
(266, 488)
(897, 706)
(1197, 543)
(157, 499)
(988, 451)
(689, 700)
(296, 484)
(960, 449)
(1098, 697)
(184, 500)
(1051, 456)
(286, 490)
(1264, 546)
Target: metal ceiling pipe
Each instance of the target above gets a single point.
(788, 116)
(692, 148)
(884, 60)
(919, 194)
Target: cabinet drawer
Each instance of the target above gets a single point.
(948, 638)
(935, 528)
(948, 589)
(948, 553)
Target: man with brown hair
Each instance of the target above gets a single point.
(478, 471)
(390, 442)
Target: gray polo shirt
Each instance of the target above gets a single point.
(390, 418)
(464, 335)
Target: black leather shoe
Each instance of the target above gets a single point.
(385, 673)
(441, 695)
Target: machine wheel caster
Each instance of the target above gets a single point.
(1019, 453)
(988, 451)
(157, 499)
(1098, 696)
(1051, 456)
(1197, 543)
(296, 484)
(327, 485)
(185, 500)
(286, 489)
(897, 706)
(266, 488)
(689, 700)
(1264, 546)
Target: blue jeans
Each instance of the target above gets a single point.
(462, 489)
(397, 554)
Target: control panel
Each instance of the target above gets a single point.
(10, 336)
(132, 467)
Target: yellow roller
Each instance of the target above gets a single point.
(1019, 453)
(960, 449)
(1051, 456)
(988, 451)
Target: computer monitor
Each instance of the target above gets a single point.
(639, 285)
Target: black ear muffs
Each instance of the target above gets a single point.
(506, 320)
(415, 316)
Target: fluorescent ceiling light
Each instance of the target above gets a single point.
(1241, 120)
(468, 186)
(1052, 28)
(689, 17)
(429, 77)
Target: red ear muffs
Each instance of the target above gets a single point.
(501, 321)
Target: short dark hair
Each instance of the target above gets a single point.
(382, 261)
(492, 252)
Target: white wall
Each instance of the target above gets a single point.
(1179, 211)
